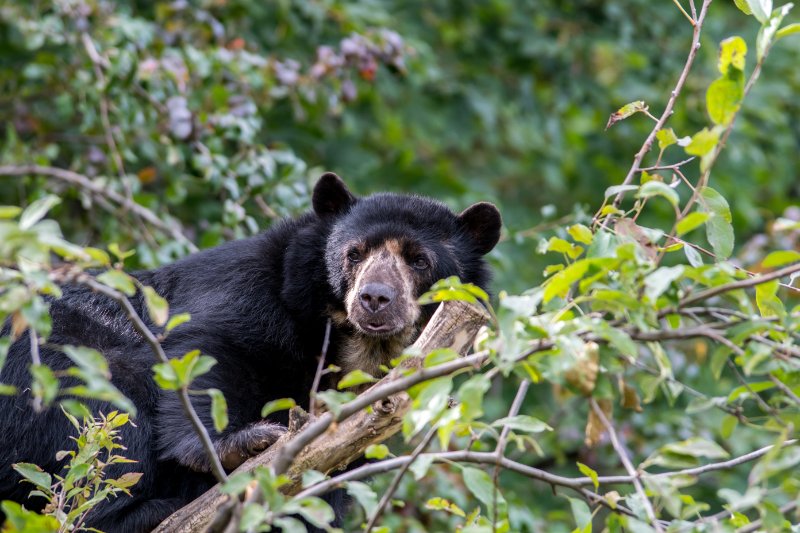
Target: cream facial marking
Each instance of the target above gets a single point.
(381, 300)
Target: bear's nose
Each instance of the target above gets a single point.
(376, 296)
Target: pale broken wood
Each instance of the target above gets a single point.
(454, 325)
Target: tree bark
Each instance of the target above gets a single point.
(453, 325)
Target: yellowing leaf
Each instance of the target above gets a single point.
(732, 52)
(625, 111)
(581, 233)
(586, 471)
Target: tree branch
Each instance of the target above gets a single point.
(453, 325)
(83, 182)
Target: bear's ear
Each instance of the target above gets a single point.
(331, 196)
(482, 223)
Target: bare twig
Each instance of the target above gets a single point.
(83, 182)
(626, 462)
(648, 143)
(388, 465)
(312, 400)
(500, 450)
(37, 361)
(426, 440)
(784, 389)
(742, 284)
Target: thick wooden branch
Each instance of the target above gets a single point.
(328, 443)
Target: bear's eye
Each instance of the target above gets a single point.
(420, 263)
(353, 256)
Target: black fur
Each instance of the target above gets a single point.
(259, 306)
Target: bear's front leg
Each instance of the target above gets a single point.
(237, 447)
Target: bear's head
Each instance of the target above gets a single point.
(385, 250)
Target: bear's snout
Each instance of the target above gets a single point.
(375, 297)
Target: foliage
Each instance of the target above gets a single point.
(71, 497)
(651, 380)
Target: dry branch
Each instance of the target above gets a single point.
(454, 325)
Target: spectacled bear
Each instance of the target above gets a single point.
(260, 306)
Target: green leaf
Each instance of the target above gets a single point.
(376, 451)
(703, 142)
(581, 233)
(732, 53)
(45, 383)
(693, 256)
(37, 210)
(35, 475)
(750, 388)
(439, 356)
(177, 320)
(334, 400)
(742, 4)
(364, 495)
(525, 423)
(559, 283)
(719, 230)
(767, 300)
(780, 258)
(666, 137)
(685, 454)
(316, 510)
(355, 377)
(722, 100)
(281, 404)
(616, 189)
(658, 281)
(219, 409)
(119, 280)
(481, 486)
(9, 211)
(586, 471)
(440, 504)
(157, 307)
(561, 246)
(690, 222)
(582, 515)
(658, 188)
(787, 30)
(236, 483)
(470, 396)
(420, 467)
